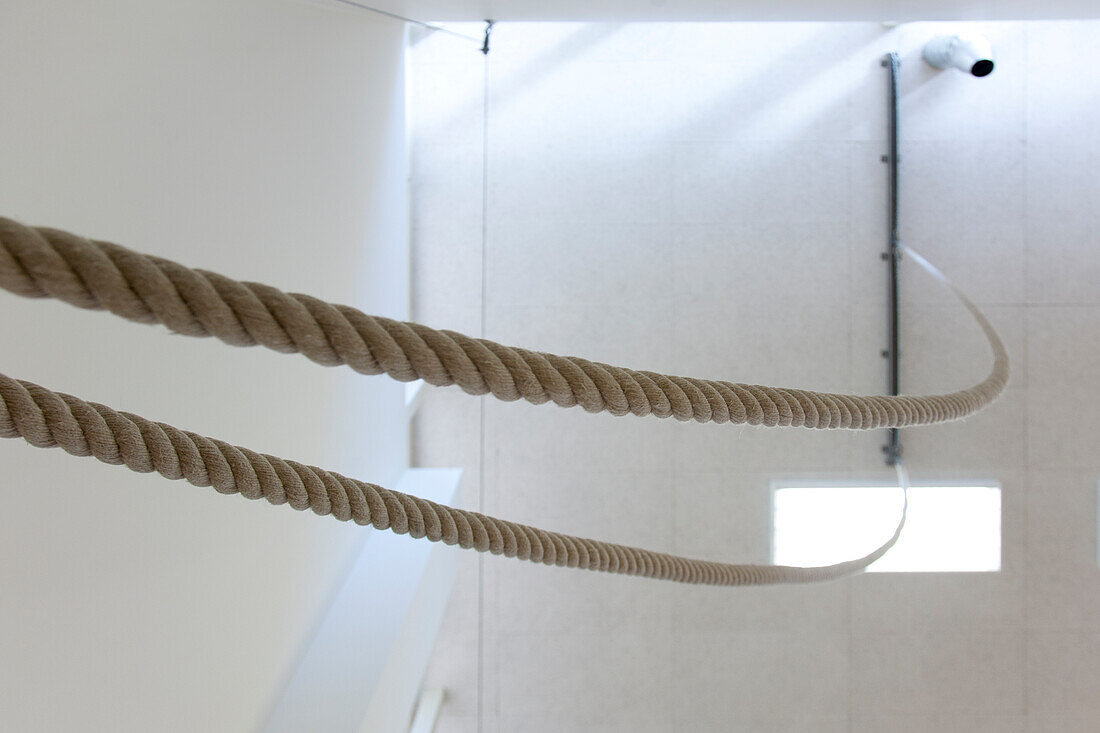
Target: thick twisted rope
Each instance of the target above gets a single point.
(50, 419)
(39, 262)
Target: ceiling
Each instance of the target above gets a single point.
(732, 10)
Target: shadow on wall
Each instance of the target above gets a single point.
(701, 137)
(527, 76)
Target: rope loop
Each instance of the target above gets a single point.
(39, 262)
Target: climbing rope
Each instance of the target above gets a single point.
(41, 262)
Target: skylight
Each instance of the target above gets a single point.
(948, 529)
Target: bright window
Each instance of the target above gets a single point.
(948, 529)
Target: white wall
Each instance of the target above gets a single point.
(709, 200)
(263, 139)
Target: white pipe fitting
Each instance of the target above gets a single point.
(969, 52)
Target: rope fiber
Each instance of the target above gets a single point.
(40, 262)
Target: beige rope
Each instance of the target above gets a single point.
(41, 262)
(47, 419)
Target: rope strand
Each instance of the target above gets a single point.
(48, 419)
(42, 262)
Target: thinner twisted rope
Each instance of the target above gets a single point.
(99, 275)
(41, 262)
(49, 419)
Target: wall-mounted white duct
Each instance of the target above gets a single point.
(969, 52)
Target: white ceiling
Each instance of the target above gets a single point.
(688, 10)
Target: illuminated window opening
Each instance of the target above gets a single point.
(955, 528)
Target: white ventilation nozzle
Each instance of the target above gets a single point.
(969, 52)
